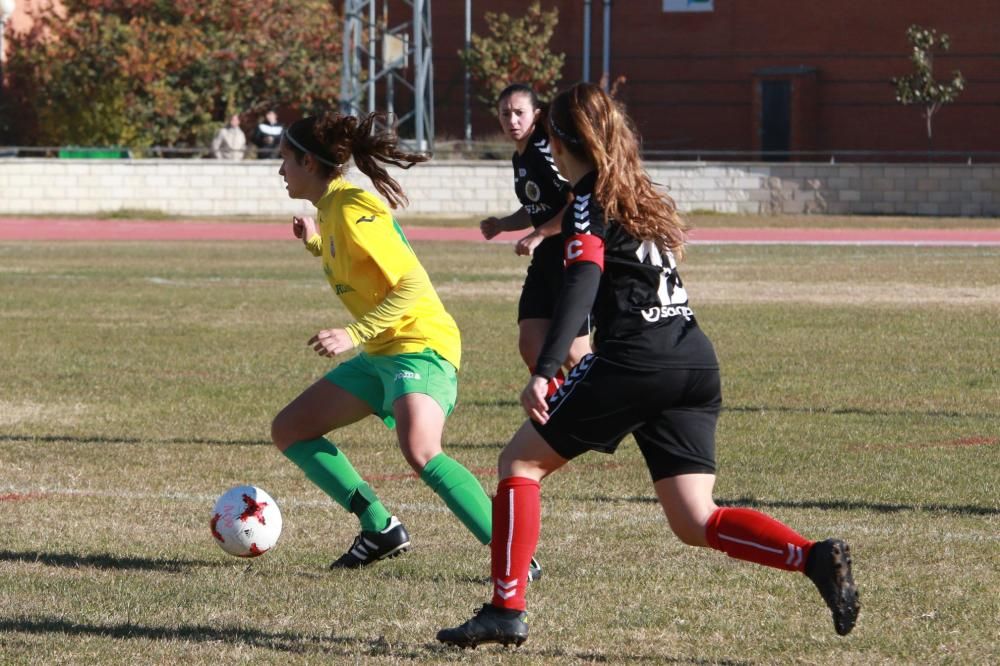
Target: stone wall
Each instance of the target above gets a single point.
(468, 188)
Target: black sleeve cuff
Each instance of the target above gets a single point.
(576, 300)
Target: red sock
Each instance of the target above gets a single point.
(750, 535)
(517, 511)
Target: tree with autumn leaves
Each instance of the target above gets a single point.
(166, 72)
(515, 51)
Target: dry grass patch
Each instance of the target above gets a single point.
(848, 293)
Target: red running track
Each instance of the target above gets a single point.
(55, 229)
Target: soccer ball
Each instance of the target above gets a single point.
(246, 521)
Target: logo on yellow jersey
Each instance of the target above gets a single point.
(370, 218)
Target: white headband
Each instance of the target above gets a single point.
(319, 158)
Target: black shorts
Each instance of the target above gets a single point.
(543, 283)
(671, 413)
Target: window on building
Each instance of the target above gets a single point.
(688, 5)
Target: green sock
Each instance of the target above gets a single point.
(328, 467)
(463, 494)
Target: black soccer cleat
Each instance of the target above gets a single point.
(534, 570)
(829, 567)
(371, 546)
(489, 625)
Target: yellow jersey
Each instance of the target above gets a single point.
(364, 256)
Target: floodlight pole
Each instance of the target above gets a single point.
(606, 59)
(360, 53)
(468, 45)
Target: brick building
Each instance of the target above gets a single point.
(746, 75)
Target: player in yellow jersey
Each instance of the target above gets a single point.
(410, 349)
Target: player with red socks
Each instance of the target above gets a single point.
(654, 374)
(543, 194)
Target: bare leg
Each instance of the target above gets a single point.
(688, 504)
(532, 337)
(419, 426)
(528, 456)
(322, 407)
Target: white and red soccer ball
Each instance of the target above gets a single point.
(246, 521)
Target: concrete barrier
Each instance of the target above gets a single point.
(30, 186)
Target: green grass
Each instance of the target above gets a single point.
(139, 380)
(699, 219)
(711, 220)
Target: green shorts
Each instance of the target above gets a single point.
(380, 380)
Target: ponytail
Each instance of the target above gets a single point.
(334, 139)
(374, 143)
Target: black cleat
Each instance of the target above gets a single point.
(370, 546)
(489, 625)
(829, 567)
(534, 570)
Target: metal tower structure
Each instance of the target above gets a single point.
(377, 57)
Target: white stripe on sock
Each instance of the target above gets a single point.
(779, 551)
(510, 527)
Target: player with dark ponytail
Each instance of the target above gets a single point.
(410, 348)
(653, 374)
(544, 194)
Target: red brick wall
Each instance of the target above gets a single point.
(690, 76)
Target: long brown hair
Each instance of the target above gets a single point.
(333, 139)
(593, 127)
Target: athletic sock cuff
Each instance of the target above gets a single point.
(301, 451)
(432, 473)
(518, 482)
(712, 528)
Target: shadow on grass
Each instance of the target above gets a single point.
(853, 505)
(836, 411)
(827, 505)
(102, 561)
(282, 641)
(595, 657)
(286, 641)
(546, 654)
(857, 411)
(100, 439)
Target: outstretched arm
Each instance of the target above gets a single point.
(516, 221)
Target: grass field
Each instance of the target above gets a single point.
(137, 383)
(696, 219)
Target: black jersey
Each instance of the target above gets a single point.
(539, 186)
(641, 314)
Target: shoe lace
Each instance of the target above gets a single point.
(359, 545)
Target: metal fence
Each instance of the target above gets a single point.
(469, 150)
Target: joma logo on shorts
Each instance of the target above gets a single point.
(406, 374)
(653, 315)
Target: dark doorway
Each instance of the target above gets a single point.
(775, 119)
